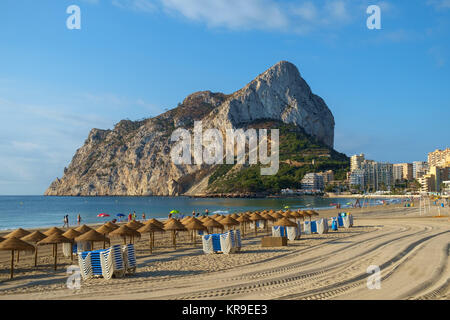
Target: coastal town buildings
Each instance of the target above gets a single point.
(370, 174)
(420, 168)
(403, 171)
(312, 181)
(439, 158)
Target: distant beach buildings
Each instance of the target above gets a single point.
(432, 175)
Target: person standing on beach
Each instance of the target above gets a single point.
(67, 220)
(206, 212)
(79, 219)
(129, 216)
(143, 216)
(193, 213)
(134, 215)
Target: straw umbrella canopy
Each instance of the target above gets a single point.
(154, 221)
(34, 237)
(71, 234)
(285, 222)
(310, 213)
(243, 220)
(104, 230)
(214, 216)
(92, 236)
(15, 244)
(150, 228)
(174, 225)
(212, 223)
(234, 216)
(220, 217)
(256, 217)
(55, 239)
(111, 225)
(133, 224)
(18, 233)
(186, 220)
(229, 221)
(276, 215)
(83, 229)
(53, 230)
(195, 225)
(267, 218)
(124, 232)
(296, 214)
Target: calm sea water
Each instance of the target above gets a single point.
(41, 211)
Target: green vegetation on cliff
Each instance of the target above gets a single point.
(299, 154)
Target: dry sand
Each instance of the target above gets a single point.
(411, 250)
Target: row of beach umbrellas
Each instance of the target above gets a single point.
(23, 240)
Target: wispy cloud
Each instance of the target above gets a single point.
(438, 55)
(136, 5)
(439, 4)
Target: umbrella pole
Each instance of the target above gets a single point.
(18, 252)
(35, 256)
(56, 253)
(256, 230)
(12, 264)
(150, 239)
(71, 251)
(125, 240)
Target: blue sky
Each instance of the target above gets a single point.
(388, 89)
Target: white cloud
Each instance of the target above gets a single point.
(135, 5)
(232, 14)
(439, 4)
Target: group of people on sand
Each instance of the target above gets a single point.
(195, 214)
(66, 220)
(133, 216)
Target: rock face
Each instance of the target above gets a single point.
(134, 157)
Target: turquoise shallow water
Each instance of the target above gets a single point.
(41, 211)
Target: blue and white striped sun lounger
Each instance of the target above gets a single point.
(95, 261)
(334, 223)
(112, 262)
(129, 257)
(238, 240)
(84, 261)
(313, 227)
(307, 227)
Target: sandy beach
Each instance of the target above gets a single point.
(412, 251)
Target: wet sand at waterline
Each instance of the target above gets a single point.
(411, 250)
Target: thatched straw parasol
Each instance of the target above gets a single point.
(195, 225)
(243, 220)
(174, 225)
(267, 218)
(150, 228)
(54, 239)
(124, 232)
(154, 221)
(104, 230)
(83, 229)
(276, 215)
(219, 218)
(285, 222)
(256, 217)
(53, 230)
(229, 221)
(34, 237)
(71, 234)
(111, 225)
(18, 233)
(92, 236)
(211, 223)
(309, 213)
(214, 216)
(234, 216)
(15, 244)
(133, 224)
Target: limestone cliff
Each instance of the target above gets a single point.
(134, 157)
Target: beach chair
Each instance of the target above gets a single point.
(207, 244)
(314, 226)
(346, 221)
(307, 227)
(350, 216)
(112, 262)
(216, 242)
(276, 231)
(95, 264)
(226, 243)
(238, 240)
(84, 261)
(291, 233)
(340, 221)
(334, 223)
(322, 226)
(129, 257)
